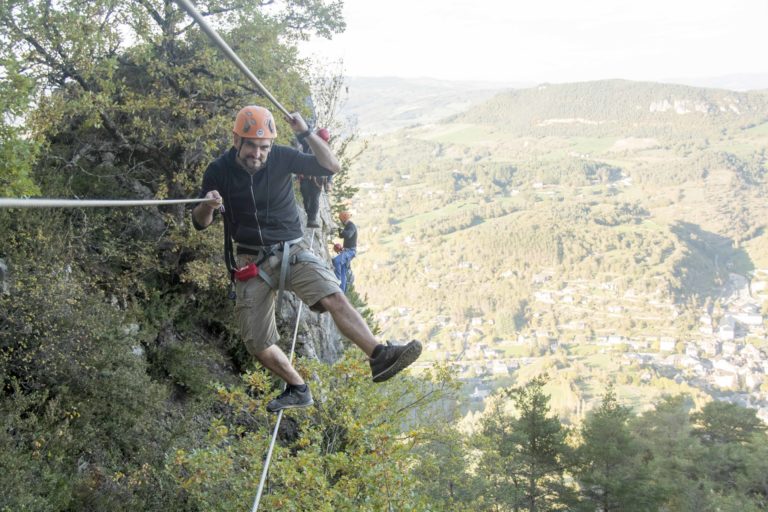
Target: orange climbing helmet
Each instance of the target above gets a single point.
(254, 122)
(345, 216)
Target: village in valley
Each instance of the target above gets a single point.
(725, 357)
(617, 242)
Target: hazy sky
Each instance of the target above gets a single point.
(550, 40)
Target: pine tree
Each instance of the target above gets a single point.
(521, 461)
(609, 465)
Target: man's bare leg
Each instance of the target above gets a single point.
(389, 360)
(274, 359)
(350, 322)
(296, 393)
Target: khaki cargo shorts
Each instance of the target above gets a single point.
(255, 305)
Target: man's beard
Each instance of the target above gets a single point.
(251, 165)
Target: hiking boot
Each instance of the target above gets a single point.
(392, 359)
(312, 223)
(291, 398)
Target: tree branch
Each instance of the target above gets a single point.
(153, 13)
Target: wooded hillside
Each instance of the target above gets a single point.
(526, 227)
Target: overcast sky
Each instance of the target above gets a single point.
(550, 40)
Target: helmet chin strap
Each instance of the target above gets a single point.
(238, 156)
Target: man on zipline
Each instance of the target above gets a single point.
(253, 182)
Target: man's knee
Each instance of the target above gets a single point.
(268, 353)
(335, 302)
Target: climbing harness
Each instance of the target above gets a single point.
(255, 269)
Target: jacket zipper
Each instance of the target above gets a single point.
(256, 213)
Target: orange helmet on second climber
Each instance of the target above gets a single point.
(254, 122)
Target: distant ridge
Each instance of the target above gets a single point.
(607, 105)
(734, 82)
(375, 105)
(384, 104)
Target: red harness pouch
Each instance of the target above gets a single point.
(246, 272)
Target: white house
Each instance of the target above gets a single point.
(499, 368)
(705, 322)
(726, 331)
(667, 344)
(725, 380)
(615, 339)
(479, 393)
(721, 365)
(751, 353)
(749, 318)
(709, 347)
(752, 380)
(728, 348)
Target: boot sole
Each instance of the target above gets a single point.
(408, 356)
(296, 406)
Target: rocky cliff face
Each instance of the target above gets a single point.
(3, 277)
(317, 338)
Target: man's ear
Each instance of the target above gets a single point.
(236, 140)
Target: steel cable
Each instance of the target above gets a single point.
(6, 202)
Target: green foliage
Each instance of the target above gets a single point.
(654, 461)
(115, 322)
(361, 304)
(606, 107)
(326, 86)
(17, 153)
(522, 465)
(30, 445)
(78, 394)
(342, 191)
(444, 473)
(722, 422)
(352, 451)
(190, 365)
(577, 227)
(610, 467)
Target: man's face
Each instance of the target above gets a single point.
(252, 153)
